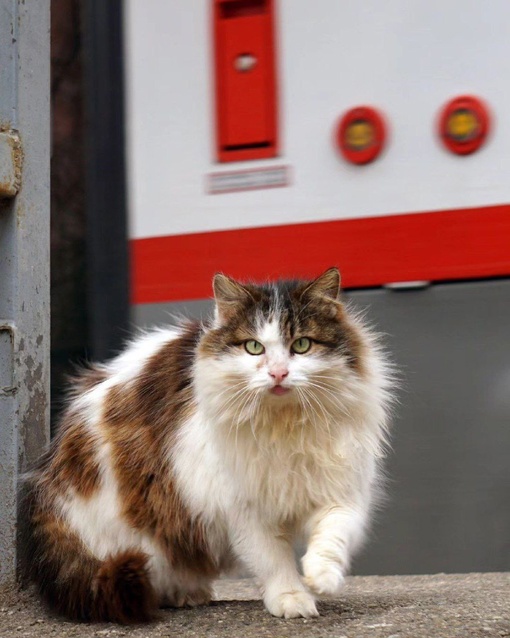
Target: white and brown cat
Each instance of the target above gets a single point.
(203, 445)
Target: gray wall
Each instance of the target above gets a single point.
(448, 507)
(24, 261)
(449, 474)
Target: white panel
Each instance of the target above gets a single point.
(406, 57)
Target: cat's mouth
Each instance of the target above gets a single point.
(279, 390)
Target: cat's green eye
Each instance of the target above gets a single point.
(253, 347)
(302, 345)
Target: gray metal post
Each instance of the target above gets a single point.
(24, 254)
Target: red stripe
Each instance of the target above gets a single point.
(458, 244)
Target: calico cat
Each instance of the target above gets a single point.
(207, 444)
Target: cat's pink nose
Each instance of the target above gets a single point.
(278, 374)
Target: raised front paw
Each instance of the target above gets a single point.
(324, 577)
(294, 604)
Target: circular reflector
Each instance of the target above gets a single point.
(464, 124)
(361, 134)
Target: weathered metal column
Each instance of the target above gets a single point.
(24, 254)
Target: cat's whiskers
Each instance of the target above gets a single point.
(229, 389)
(234, 402)
(234, 397)
(257, 402)
(222, 409)
(234, 422)
(242, 404)
(308, 410)
(251, 420)
(237, 384)
(254, 410)
(327, 416)
(327, 376)
(348, 389)
(234, 426)
(306, 406)
(314, 399)
(330, 395)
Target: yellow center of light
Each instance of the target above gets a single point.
(359, 135)
(462, 125)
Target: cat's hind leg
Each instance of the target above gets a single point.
(186, 591)
(198, 597)
(81, 586)
(185, 598)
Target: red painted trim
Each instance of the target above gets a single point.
(457, 244)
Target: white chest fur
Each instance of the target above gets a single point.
(284, 475)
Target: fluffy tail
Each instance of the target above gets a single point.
(81, 587)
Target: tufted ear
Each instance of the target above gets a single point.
(326, 285)
(229, 295)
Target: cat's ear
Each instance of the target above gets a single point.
(229, 295)
(326, 285)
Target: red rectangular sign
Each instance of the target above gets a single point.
(245, 79)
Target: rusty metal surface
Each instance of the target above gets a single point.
(24, 257)
(10, 163)
(6, 359)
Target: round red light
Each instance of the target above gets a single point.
(464, 124)
(361, 134)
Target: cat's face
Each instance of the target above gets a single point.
(287, 342)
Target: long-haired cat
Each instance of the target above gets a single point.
(206, 444)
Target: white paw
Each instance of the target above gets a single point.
(324, 577)
(294, 604)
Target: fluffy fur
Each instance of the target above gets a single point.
(186, 454)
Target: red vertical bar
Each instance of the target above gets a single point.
(245, 76)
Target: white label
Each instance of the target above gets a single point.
(233, 181)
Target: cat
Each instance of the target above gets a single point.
(206, 445)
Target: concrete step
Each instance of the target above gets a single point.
(439, 606)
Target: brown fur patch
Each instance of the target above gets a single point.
(327, 322)
(140, 421)
(355, 345)
(72, 459)
(87, 379)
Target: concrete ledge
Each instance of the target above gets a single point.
(440, 606)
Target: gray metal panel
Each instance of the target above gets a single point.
(24, 260)
(154, 314)
(449, 473)
(8, 37)
(448, 506)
